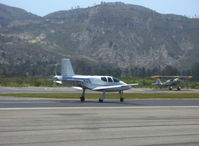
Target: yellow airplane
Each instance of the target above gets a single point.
(172, 81)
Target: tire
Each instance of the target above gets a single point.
(100, 100)
(179, 88)
(82, 99)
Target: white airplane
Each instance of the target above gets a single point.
(173, 81)
(94, 83)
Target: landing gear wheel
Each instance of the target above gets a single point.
(179, 88)
(82, 99)
(170, 88)
(121, 99)
(100, 100)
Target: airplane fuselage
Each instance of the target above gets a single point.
(92, 82)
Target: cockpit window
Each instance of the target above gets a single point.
(109, 79)
(115, 80)
(104, 79)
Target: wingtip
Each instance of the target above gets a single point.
(154, 77)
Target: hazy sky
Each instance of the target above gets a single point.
(189, 8)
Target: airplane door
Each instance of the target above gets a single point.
(110, 81)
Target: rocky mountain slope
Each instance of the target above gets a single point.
(127, 36)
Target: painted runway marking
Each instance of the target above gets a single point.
(26, 102)
(126, 107)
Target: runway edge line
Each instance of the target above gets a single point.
(126, 107)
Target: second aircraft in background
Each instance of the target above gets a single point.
(172, 81)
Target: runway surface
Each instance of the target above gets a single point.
(49, 122)
(116, 126)
(19, 102)
(4, 90)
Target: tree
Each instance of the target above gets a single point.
(170, 71)
(195, 71)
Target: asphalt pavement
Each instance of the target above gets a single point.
(20, 102)
(46, 122)
(88, 126)
(4, 90)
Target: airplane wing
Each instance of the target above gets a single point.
(136, 84)
(112, 87)
(172, 77)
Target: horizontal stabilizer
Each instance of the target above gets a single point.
(157, 83)
(77, 88)
(58, 82)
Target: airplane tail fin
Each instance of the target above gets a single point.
(158, 82)
(66, 68)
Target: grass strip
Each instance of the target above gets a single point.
(109, 95)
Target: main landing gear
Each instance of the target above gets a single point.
(82, 98)
(121, 97)
(178, 88)
(103, 96)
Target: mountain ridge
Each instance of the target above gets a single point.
(127, 36)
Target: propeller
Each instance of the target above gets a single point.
(54, 82)
(55, 71)
(55, 74)
(56, 78)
